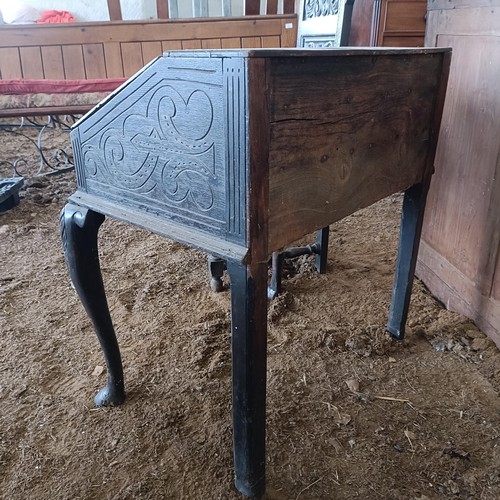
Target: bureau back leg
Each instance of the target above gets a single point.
(79, 227)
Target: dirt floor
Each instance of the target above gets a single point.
(351, 413)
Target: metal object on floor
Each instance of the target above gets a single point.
(55, 160)
(9, 192)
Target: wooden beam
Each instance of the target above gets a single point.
(288, 6)
(115, 10)
(272, 7)
(162, 9)
(252, 7)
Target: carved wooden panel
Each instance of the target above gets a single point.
(319, 24)
(168, 144)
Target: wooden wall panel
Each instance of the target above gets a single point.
(93, 57)
(471, 121)
(460, 249)
(150, 51)
(112, 50)
(231, 43)
(31, 62)
(270, 42)
(171, 45)
(403, 41)
(10, 64)
(191, 44)
(251, 42)
(211, 43)
(113, 58)
(400, 19)
(74, 65)
(53, 65)
(405, 16)
(131, 57)
(144, 31)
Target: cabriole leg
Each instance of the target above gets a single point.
(409, 238)
(79, 227)
(249, 343)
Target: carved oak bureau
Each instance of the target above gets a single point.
(239, 153)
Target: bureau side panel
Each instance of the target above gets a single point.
(170, 146)
(345, 132)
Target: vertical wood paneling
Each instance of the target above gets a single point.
(31, 62)
(399, 19)
(171, 45)
(52, 59)
(113, 57)
(231, 43)
(472, 139)
(289, 33)
(10, 64)
(150, 51)
(131, 58)
(74, 66)
(93, 56)
(459, 258)
(251, 42)
(211, 43)
(270, 42)
(191, 44)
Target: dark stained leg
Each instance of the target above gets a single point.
(216, 267)
(322, 254)
(249, 343)
(274, 287)
(320, 249)
(79, 227)
(409, 239)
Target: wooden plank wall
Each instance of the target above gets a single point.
(401, 23)
(389, 23)
(459, 258)
(119, 49)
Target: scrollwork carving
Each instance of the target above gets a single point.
(163, 146)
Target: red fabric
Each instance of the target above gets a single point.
(20, 87)
(56, 16)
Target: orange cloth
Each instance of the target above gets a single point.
(56, 16)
